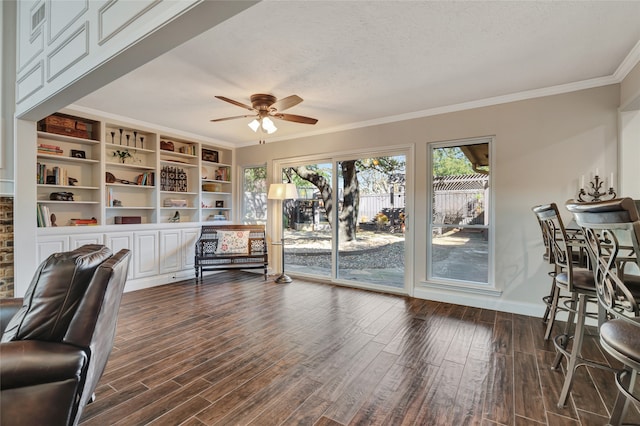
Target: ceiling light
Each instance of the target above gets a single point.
(254, 125)
(268, 126)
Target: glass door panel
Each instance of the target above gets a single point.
(370, 218)
(307, 220)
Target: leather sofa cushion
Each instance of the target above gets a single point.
(54, 293)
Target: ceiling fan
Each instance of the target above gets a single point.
(265, 107)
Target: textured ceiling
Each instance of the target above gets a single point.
(362, 62)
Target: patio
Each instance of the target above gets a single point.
(379, 257)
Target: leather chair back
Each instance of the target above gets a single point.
(94, 324)
(52, 298)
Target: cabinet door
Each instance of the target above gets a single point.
(117, 241)
(189, 238)
(145, 254)
(76, 241)
(49, 245)
(169, 251)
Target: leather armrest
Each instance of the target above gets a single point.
(8, 308)
(33, 362)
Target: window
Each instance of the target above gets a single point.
(254, 195)
(459, 223)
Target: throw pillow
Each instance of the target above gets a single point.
(233, 242)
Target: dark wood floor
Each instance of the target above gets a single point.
(237, 351)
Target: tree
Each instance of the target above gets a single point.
(450, 162)
(350, 171)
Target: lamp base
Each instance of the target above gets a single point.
(283, 279)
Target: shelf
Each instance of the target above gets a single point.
(212, 164)
(137, 150)
(215, 181)
(48, 185)
(177, 154)
(178, 163)
(176, 192)
(178, 208)
(128, 166)
(131, 208)
(124, 185)
(64, 138)
(66, 202)
(150, 202)
(67, 159)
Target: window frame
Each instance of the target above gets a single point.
(488, 288)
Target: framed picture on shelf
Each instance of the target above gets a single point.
(76, 153)
(209, 155)
(220, 203)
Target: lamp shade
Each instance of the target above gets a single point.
(282, 191)
(255, 124)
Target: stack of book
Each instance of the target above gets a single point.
(83, 222)
(49, 149)
(44, 216)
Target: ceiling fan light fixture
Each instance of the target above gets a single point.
(268, 125)
(254, 125)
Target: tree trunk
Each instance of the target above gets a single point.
(348, 217)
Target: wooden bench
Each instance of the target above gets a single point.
(209, 258)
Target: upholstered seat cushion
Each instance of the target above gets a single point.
(623, 336)
(582, 280)
(54, 293)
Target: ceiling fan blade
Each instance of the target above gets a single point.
(286, 103)
(231, 101)
(296, 118)
(233, 118)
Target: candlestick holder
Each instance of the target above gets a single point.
(595, 194)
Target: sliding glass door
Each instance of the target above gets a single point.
(348, 222)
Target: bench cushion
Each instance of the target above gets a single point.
(233, 242)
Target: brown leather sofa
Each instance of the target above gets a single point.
(57, 339)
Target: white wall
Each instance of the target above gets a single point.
(7, 91)
(542, 147)
(83, 45)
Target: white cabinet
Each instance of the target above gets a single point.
(49, 245)
(145, 254)
(76, 241)
(177, 249)
(170, 251)
(189, 238)
(117, 241)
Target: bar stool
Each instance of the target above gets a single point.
(554, 299)
(604, 224)
(578, 282)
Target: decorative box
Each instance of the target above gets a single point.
(127, 220)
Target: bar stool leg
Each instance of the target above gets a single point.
(622, 402)
(565, 337)
(552, 309)
(572, 362)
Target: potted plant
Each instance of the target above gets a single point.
(122, 155)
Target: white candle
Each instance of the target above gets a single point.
(597, 173)
(582, 181)
(611, 180)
